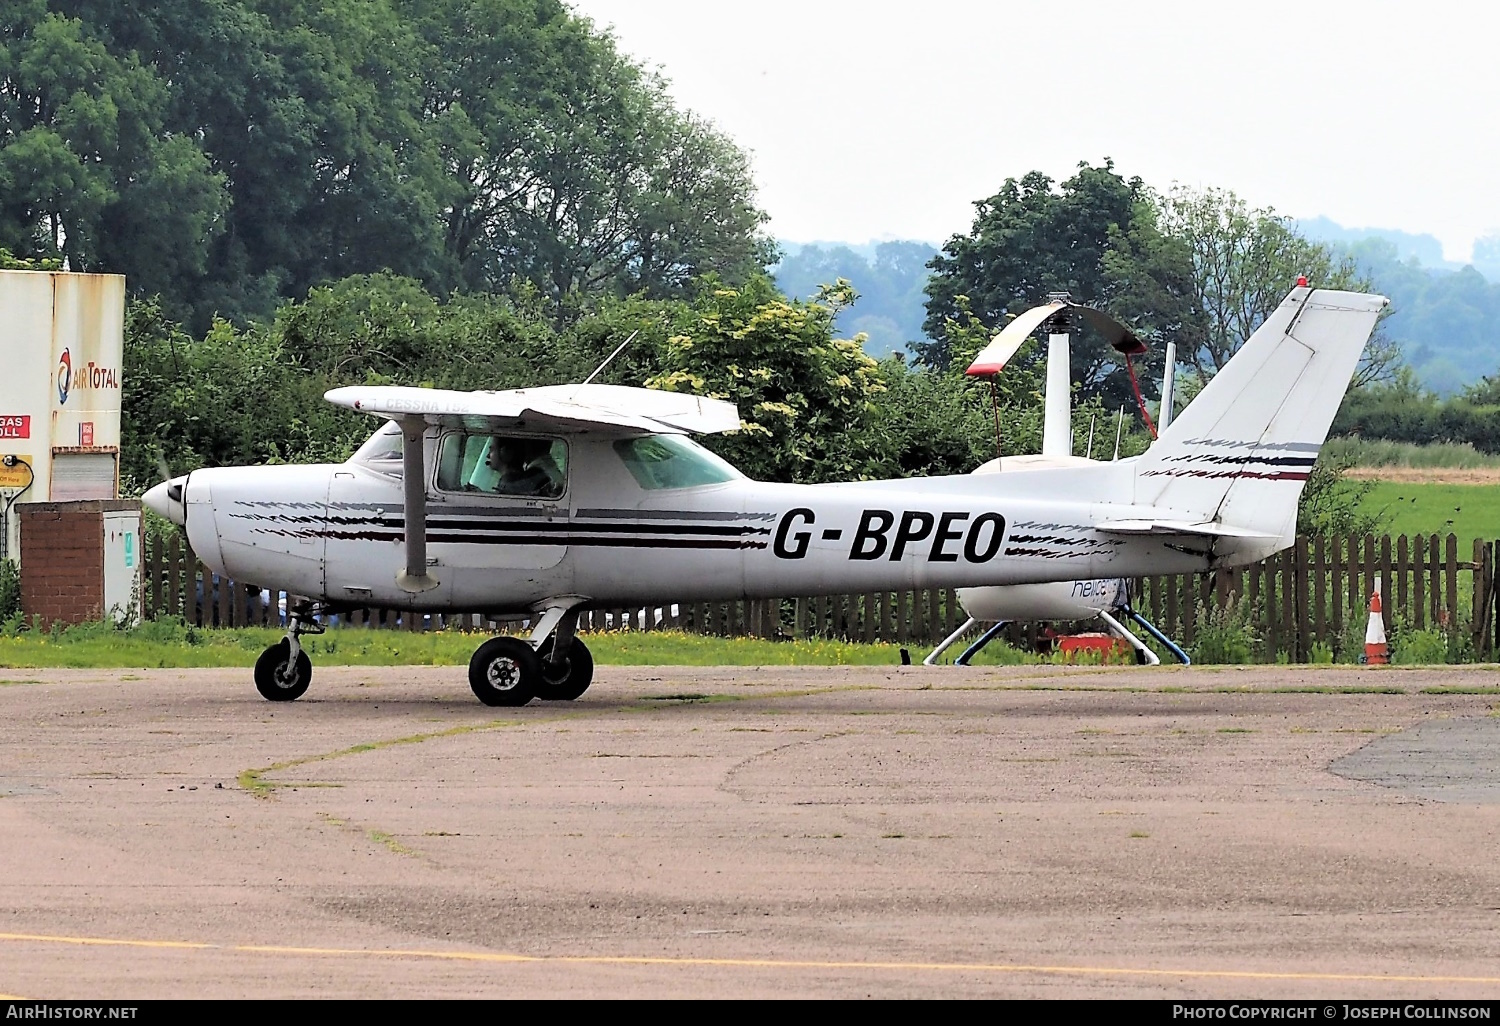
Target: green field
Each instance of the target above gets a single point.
(1377, 452)
(169, 644)
(1468, 510)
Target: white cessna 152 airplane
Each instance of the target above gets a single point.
(542, 502)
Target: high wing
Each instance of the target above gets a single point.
(565, 408)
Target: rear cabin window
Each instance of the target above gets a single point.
(672, 461)
(520, 465)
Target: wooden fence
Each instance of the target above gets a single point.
(1315, 593)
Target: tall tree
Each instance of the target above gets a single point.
(573, 168)
(91, 169)
(807, 400)
(1244, 261)
(1093, 237)
(231, 153)
(1027, 240)
(310, 109)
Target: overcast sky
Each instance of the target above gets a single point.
(887, 121)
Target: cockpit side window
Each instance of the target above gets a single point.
(672, 461)
(382, 450)
(519, 465)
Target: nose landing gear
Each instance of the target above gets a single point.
(283, 671)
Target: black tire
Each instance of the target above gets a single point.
(505, 671)
(568, 677)
(274, 676)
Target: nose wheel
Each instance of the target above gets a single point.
(283, 671)
(281, 676)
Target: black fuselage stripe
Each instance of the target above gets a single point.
(646, 543)
(551, 541)
(1273, 461)
(561, 527)
(654, 514)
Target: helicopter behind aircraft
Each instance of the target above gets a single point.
(543, 502)
(1106, 599)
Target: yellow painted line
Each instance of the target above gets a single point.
(106, 942)
(493, 957)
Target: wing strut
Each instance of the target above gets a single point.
(414, 578)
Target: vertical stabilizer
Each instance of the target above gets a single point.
(1240, 453)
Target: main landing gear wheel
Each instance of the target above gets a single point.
(279, 677)
(505, 671)
(567, 678)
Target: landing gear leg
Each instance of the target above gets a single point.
(283, 671)
(947, 643)
(1143, 655)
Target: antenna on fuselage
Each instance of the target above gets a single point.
(618, 349)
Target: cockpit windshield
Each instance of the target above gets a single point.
(672, 461)
(382, 451)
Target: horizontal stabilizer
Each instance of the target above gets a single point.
(1206, 530)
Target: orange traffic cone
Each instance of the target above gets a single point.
(1377, 652)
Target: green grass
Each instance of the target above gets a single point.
(166, 644)
(1469, 511)
(1375, 452)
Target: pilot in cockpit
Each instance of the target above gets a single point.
(517, 466)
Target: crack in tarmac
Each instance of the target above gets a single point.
(253, 779)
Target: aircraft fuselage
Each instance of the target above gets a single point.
(336, 533)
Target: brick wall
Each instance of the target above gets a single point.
(62, 560)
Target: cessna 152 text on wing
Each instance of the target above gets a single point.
(542, 502)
